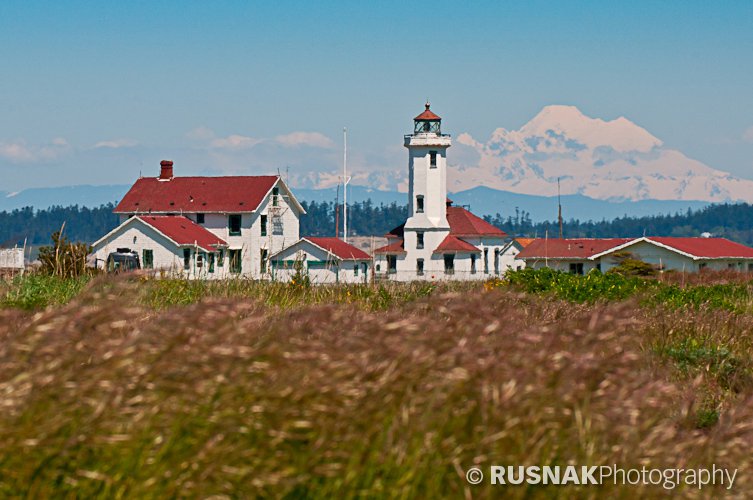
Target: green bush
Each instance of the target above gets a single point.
(36, 291)
(633, 267)
(591, 287)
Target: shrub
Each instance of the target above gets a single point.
(633, 267)
(63, 258)
(592, 287)
(36, 291)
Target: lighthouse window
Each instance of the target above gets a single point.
(419, 239)
(419, 204)
(433, 159)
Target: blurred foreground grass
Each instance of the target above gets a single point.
(145, 388)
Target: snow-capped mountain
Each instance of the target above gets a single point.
(607, 160)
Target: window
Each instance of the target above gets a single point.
(275, 196)
(235, 261)
(365, 268)
(277, 225)
(392, 264)
(473, 263)
(355, 269)
(449, 263)
(148, 259)
(496, 261)
(210, 262)
(486, 261)
(200, 258)
(420, 267)
(419, 204)
(433, 159)
(199, 218)
(576, 268)
(221, 258)
(234, 224)
(264, 225)
(186, 259)
(264, 256)
(419, 239)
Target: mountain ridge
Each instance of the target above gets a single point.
(482, 200)
(607, 160)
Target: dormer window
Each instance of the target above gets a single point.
(419, 204)
(432, 159)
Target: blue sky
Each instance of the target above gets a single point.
(94, 92)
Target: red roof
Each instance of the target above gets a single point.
(183, 231)
(464, 223)
(454, 244)
(524, 242)
(427, 114)
(396, 247)
(196, 194)
(580, 248)
(338, 247)
(708, 248)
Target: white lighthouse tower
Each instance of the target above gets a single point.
(427, 173)
(427, 224)
(438, 240)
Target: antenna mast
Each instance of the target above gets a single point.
(346, 179)
(559, 204)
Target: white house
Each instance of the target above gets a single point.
(189, 225)
(580, 255)
(324, 260)
(509, 257)
(438, 241)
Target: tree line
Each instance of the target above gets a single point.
(728, 220)
(733, 221)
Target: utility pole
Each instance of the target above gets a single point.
(346, 179)
(559, 203)
(337, 212)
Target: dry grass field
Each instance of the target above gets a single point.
(135, 388)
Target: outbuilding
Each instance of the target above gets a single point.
(580, 255)
(323, 260)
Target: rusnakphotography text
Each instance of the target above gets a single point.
(667, 478)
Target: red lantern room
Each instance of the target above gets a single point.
(427, 122)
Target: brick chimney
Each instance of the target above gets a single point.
(166, 170)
